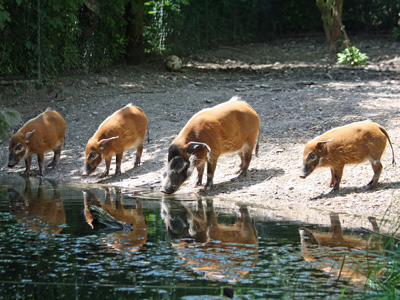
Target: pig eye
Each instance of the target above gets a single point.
(311, 156)
(19, 147)
(92, 155)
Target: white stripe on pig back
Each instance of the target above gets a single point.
(234, 98)
(47, 109)
(130, 104)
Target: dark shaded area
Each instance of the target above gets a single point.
(78, 262)
(59, 37)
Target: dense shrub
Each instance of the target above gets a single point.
(54, 36)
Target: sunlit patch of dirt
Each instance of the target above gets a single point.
(297, 95)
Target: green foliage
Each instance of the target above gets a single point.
(4, 16)
(387, 283)
(68, 35)
(3, 125)
(370, 14)
(351, 56)
(8, 119)
(396, 32)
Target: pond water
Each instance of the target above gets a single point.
(59, 241)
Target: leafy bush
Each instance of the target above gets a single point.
(396, 32)
(351, 56)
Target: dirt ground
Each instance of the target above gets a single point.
(289, 82)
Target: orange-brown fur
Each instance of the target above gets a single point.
(334, 252)
(232, 126)
(219, 251)
(125, 128)
(350, 144)
(131, 240)
(28, 206)
(39, 135)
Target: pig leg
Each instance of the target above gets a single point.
(337, 173)
(200, 171)
(241, 155)
(200, 209)
(374, 241)
(56, 158)
(246, 159)
(108, 164)
(333, 178)
(118, 161)
(139, 150)
(336, 228)
(211, 166)
(40, 161)
(377, 167)
(28, 162)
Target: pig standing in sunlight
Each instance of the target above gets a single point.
(230, 127)
(123, 129)
(39, 135)
(350, 144)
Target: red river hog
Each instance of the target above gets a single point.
(39, 135)
(229, 127)
(350, 144)
(343, 256)
(123, 129)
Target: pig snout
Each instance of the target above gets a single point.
(167, 191)
(305, 171)
(168, 187)
(11, 164)
(12, 160)
(176, 173)
(88, 169)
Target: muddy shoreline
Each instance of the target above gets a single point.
(290, 84)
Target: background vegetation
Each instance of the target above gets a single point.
(53, 36)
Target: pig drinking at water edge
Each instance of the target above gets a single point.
(39, 135)
(350, 144)
(230, 127)
(123, 129)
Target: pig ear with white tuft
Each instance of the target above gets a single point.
(102, 143)
(28, 136)
(191, 146)
(320, 144)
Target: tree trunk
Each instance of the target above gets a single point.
(134, 31)
(331, 14)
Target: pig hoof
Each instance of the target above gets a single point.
(207, 187)
(333, 191)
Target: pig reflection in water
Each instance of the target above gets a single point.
(342, 256)
(216, 251)
(130, 240)
(41, 211)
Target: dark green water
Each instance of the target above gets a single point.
(52, 247)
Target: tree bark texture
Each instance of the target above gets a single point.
(134, 31)
(331, 14)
